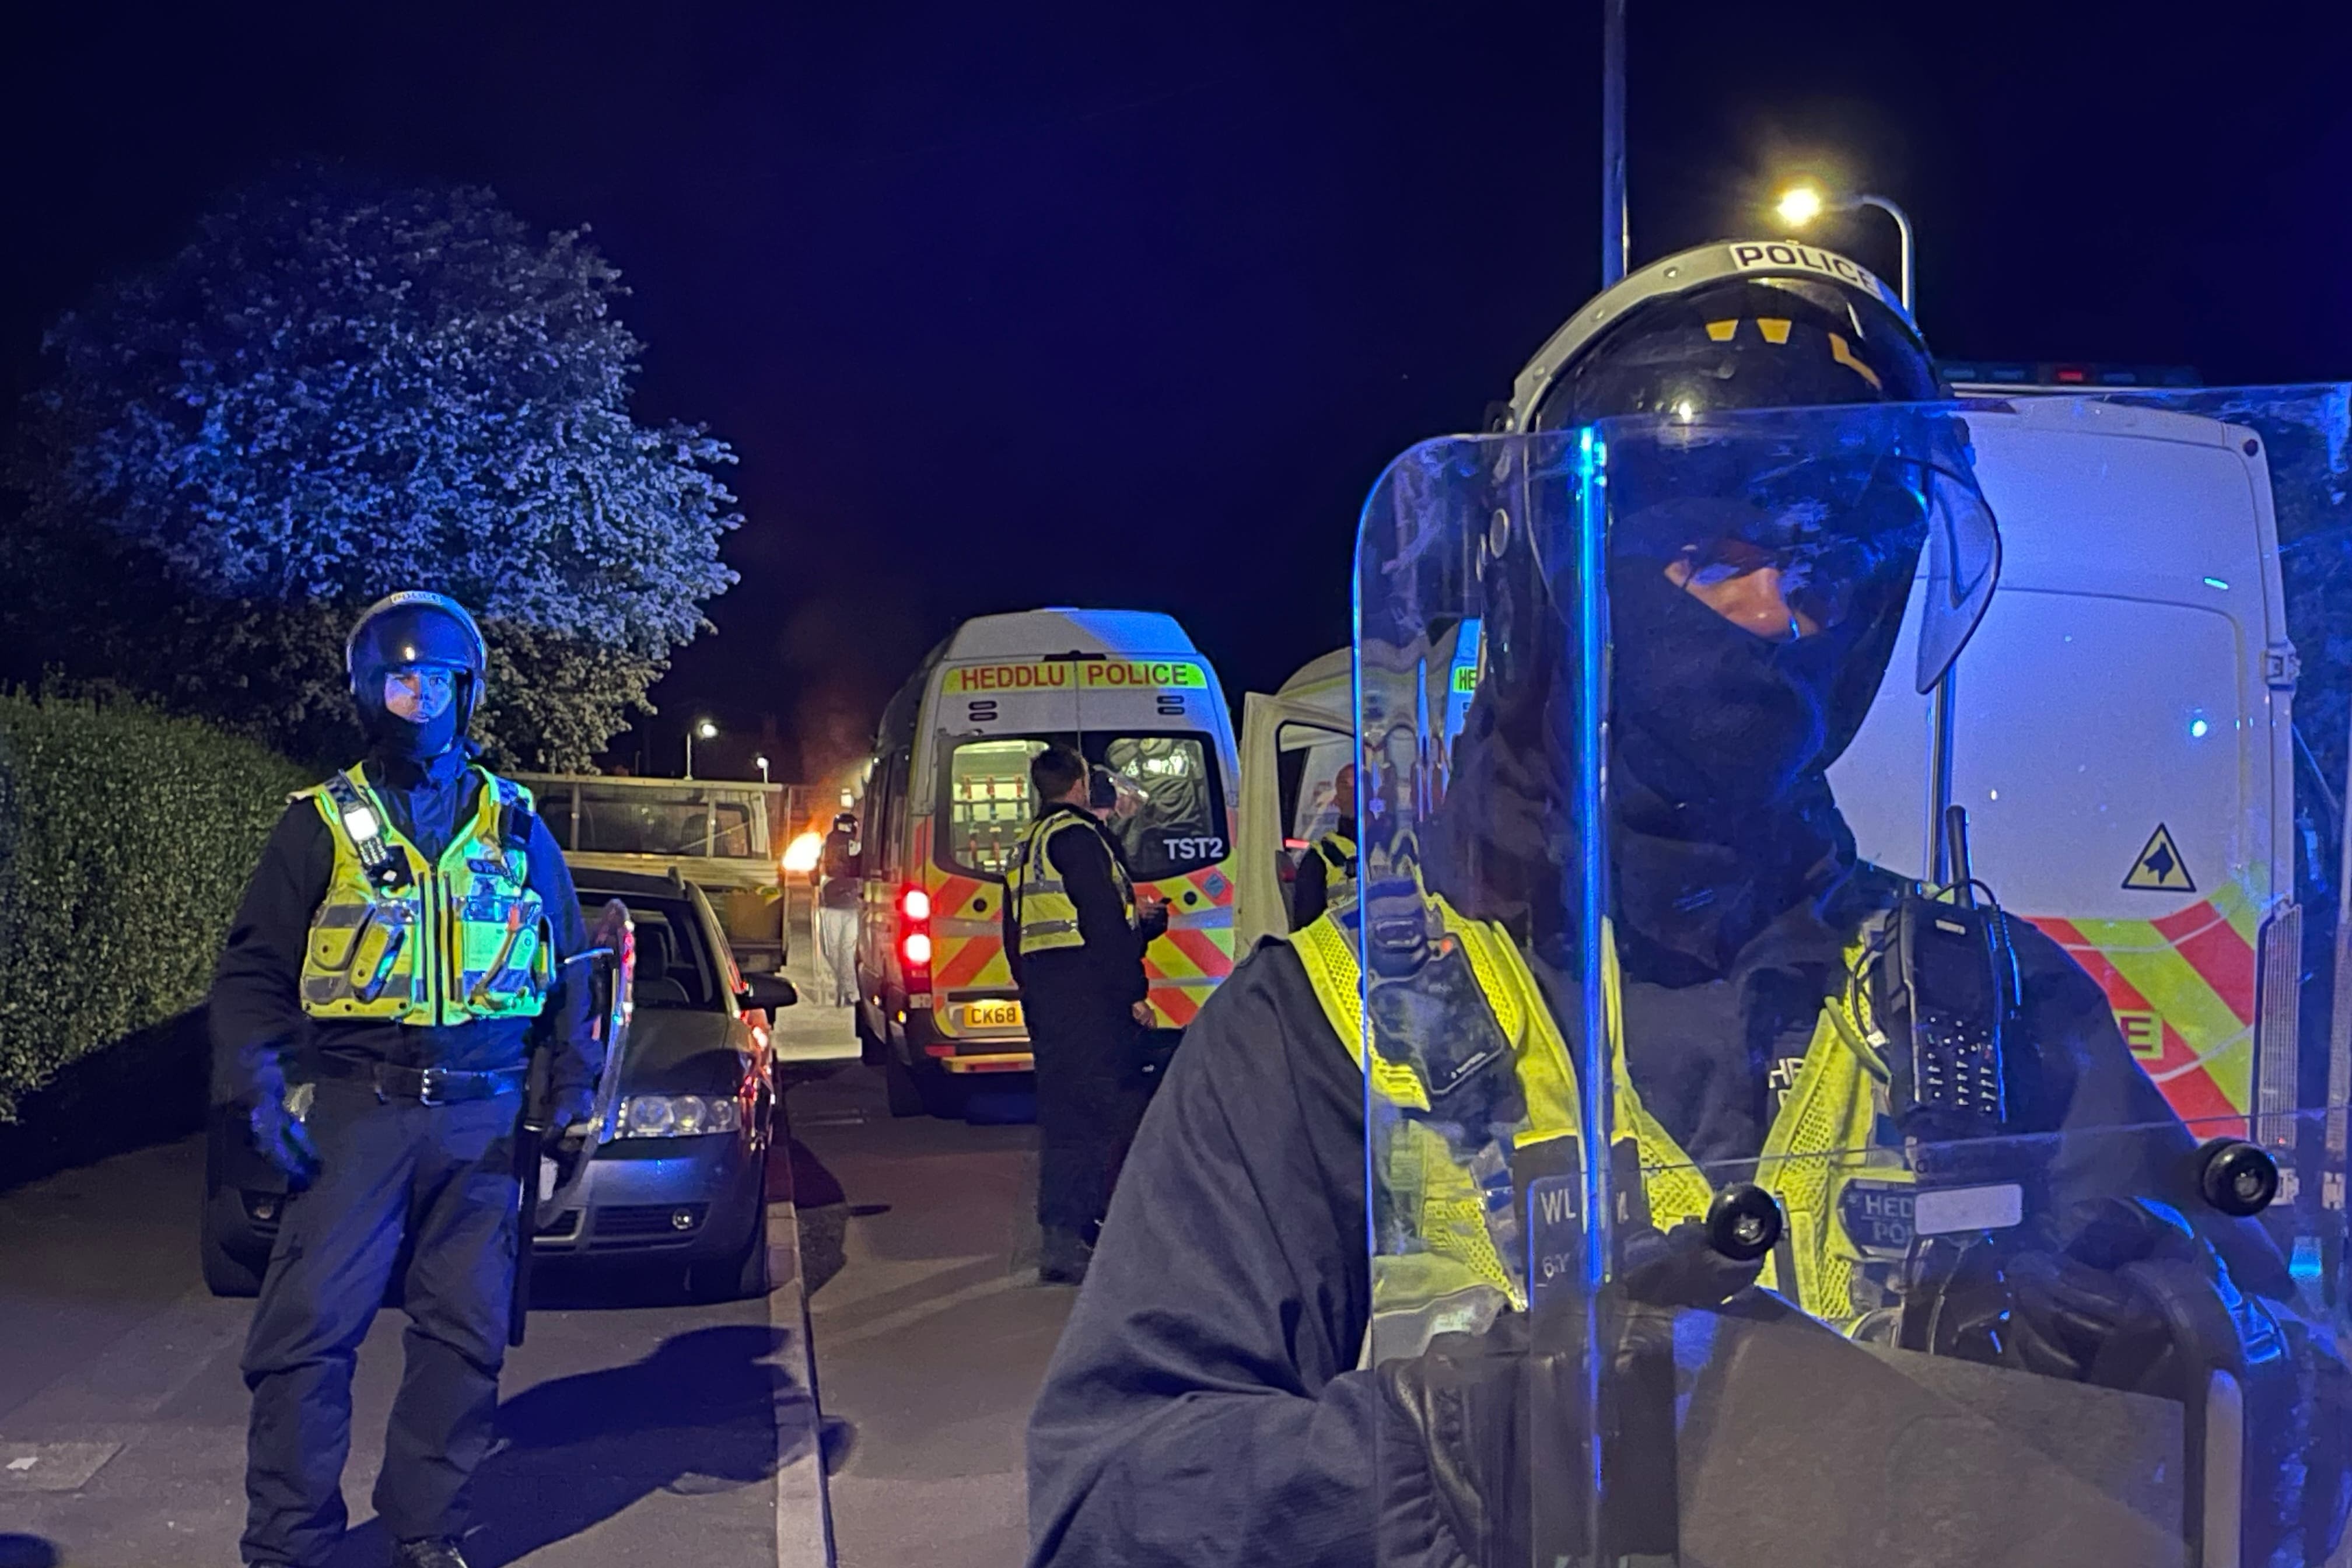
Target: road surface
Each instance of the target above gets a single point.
(920, 1243)
(931, 1328)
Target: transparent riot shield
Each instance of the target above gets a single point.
(1737, 1200)
(611, 956)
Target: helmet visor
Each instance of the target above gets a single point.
(1710, 499)
(420, 693)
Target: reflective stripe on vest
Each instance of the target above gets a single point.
(446, 944)
(1338, 853)
(1042, 905)
(1444, 1270)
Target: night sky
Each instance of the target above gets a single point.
(1101, 305)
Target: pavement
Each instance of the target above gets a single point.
(630, 1424)
(626, 1421)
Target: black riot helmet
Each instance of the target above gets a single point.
(410, 631)
(1683, 356)
(1684, 339)
(1760, 425)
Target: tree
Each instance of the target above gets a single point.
(332, 392)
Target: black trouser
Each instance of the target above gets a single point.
(422, 1193)
(1090, 1094)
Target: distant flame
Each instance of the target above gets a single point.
(801, 854)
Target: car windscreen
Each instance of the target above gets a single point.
(1170, 817)
(675, 972)
(675, 823)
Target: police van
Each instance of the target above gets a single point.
(2139, 614)
(2124, 735)
(948, 799)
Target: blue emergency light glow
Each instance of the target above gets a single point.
(2196, 728)
(2217, 582)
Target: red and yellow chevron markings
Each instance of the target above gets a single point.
(2182, 987)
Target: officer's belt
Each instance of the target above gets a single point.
(425, 1086)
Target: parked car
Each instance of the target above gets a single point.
(680, 1175)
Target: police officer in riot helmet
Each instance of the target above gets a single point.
(1232, 1368)
(405, 940)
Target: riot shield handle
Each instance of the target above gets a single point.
(1744, 1223)
(2236, 1177)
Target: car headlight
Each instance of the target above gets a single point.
(679, 1115)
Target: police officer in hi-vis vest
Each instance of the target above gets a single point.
(404, 936)
(1074, 941)
(2089, 1353)
(1326, 872)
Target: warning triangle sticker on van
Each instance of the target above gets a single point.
(2160, 868)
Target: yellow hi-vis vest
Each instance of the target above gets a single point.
(1048, 917)
(1454, 1276)
(1338, 853)
(411, 941)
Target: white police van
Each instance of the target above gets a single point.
(948, 799)
(2139, 615)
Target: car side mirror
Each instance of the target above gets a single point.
(767, 992)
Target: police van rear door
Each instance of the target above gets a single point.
(990, 717)
(2138, 617)
(1159, 724)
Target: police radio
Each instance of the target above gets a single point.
(1941, 996)
(1942, 986)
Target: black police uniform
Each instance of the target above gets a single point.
(1078, 1003)
(413, 1201)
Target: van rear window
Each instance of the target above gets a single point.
(1169, 819)
(988, 803)
(670, 823)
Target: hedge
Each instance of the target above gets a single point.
(126, 838)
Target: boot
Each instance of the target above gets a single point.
(430, 1553)
(1063, 1259)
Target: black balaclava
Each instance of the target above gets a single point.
(397, 740)
(1720, 812)
(1721, 816)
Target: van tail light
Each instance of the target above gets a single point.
(915, 938)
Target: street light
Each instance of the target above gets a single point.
(705, 728)
(762, 762)
(1800, 205)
